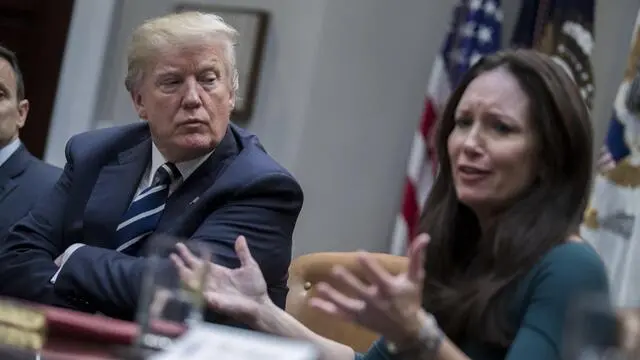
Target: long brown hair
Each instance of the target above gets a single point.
(469, 277)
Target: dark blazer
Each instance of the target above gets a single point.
(239, 189)
(24, 179)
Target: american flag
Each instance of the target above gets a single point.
(474, 32)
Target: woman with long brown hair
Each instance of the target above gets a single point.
(503, 263)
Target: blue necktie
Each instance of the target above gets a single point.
(145, 210)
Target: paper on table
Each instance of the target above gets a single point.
(209, 341)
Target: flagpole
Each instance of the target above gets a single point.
(541, 20)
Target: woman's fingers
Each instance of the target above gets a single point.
(343, 304)
(183, 271)
(349, 281)
(329, 308)
(243, 252)
(375, 273)
(187, 256)
(191, 269)
(416, 258)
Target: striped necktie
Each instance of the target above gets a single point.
(145, 210)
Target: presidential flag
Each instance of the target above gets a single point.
(611, 221)
(563, 29)
(475, 31)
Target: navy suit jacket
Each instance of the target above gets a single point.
(24, 179)
(240, 190)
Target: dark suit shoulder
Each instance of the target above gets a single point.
(28, 169)
(255, 158)
(38, 178)
(43, 171)
(107, 141)
(114, 132)
(31, 179)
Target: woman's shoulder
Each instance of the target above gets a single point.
(571, 267)
(572, 252)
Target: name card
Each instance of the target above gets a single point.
(210, 341)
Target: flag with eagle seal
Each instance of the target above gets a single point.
(563, 29)
(611, 220)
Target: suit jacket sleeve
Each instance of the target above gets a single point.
(265, 211)
(28, 252)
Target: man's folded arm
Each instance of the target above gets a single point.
(264, 211)
(103, 279)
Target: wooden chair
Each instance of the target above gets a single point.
(307, 271)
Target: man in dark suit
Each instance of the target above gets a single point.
(23, 177)
(185, 171)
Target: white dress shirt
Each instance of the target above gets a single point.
(8, 150)
(157, 159)
(186, 168)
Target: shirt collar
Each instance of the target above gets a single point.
(186, 167)
(8, 150)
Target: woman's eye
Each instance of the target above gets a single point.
(463, 122)
(502, 127)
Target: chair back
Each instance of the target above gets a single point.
(308, 270)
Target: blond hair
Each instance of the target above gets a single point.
(178, 29)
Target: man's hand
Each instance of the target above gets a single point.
(60, 260)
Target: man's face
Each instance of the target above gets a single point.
(13, 112)
(186, 97)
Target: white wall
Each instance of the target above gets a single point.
(340, 95)
(80, 75)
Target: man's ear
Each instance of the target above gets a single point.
(232, 100)
(138, 103)
(23, 111)
(233, 95)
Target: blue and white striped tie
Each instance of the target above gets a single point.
(145, 210)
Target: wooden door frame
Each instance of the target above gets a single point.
(49, 46)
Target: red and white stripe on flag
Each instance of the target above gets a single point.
(422, 166)
(475, 32)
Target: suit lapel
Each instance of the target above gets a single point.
(202, 179)
(6, 186)
(114, 188)
(15, 165)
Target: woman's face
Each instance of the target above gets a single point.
(492, 147)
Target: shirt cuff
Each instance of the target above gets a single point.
(67, 254)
